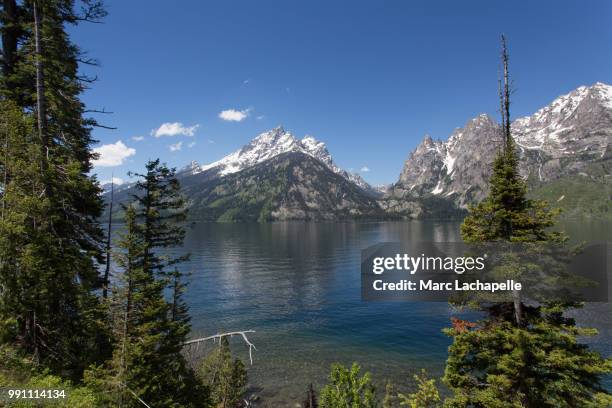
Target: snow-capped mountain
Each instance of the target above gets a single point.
(271, 144)
(554, 127)
(558, 140)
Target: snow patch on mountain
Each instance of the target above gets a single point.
(558, 139)
(552, 126)
(273, 143)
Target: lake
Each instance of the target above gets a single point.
(298, 286)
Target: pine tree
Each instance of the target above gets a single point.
(519, 356)
(346, 388)
(150, 329)
(426, 395)
(51, 204)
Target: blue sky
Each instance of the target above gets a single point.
(369, 78)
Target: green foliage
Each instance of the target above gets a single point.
(225, 377)
(426, 396)
(390, 399)
(520, 355)
(46, 266)
(287, 186)
(541, 365)
(347, 389)
(506, 213)
(50, 240)
(19, 371)
(149, 329)
(579, 196)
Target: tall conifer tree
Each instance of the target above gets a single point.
(151, 318)
(519, 356)
(52, 236)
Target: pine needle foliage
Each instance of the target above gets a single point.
(519, 355)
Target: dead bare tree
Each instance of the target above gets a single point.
(504, 92)
(504, 95)
(219, 336)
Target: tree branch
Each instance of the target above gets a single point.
(104, 111)
(104, 127)
(87, 79)
(219, 336)
(88, 61)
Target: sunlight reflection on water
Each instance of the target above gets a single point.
(298, 285)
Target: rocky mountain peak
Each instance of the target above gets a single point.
(274, 142)
(603, 93)
(571, 122)
(479, 121)
(272, 136)
(559, 139)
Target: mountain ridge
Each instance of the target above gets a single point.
(559, 140)
(271, 143)
(564, 151)
(288, 186)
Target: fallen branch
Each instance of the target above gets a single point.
(219, 336)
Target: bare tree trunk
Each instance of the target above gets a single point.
(504, 94)
(124, 334)
(502, 113)
(40, 87)
(5, 168)
(311, 399)
(40, 103)
(518, 307)
(506, 104)
(108, 243)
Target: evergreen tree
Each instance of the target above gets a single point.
(426, 395)
(51, 237)
(346, 388)
(519, 356)
(150, 329)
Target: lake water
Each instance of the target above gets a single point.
(298, 285)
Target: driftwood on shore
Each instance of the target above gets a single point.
(219, 336)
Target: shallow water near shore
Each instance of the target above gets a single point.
(298, 286)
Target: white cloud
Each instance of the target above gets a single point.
(138, 138)
(260, 117)
(111, 155)
(176, 147)
(174, 129)
(246, 81)
(190, 145)
(115, 180)
(233, 115)
(210, 141)
(364, 169)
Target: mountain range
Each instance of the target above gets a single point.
(566, 142)
(564, 156)
(273, 143)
